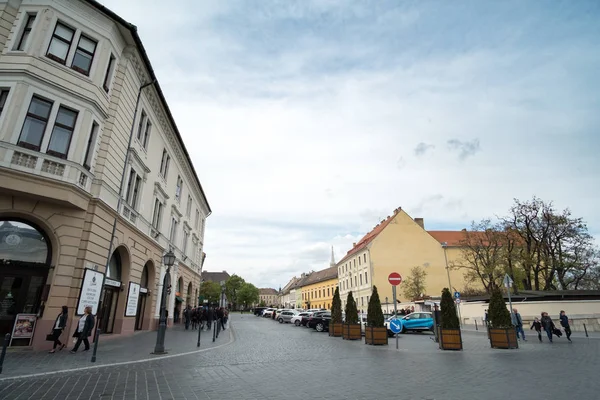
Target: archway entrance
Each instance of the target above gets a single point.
(139, 317)
(25, 254)
(110, 294)
(188, 299)
(178, 301)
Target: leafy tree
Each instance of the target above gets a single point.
(497, 312)
(336, 307)
(448, 311)
(232, 287)
(351, 310)
(414, 285)
(262, 304)
(248, 294)
(211, 291)
(374, 312)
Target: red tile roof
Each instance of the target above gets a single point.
(268, 291)
(369, 237)
(452, 238)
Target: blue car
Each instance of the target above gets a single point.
(417, 321)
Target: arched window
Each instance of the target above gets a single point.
(114, 267)
(144, 278)
(20, 241)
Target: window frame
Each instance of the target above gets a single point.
(21, 44)
(157, 214)
(141, 125)
(4, 93)
(77, 48)
(147, 133)
(90, 147)
(54, 35)
(110, 73)
(65, 127)
(28, 114)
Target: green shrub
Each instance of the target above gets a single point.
(336, 307)
(448, 311)
(498, 314)
(351, 311)
(374, 312)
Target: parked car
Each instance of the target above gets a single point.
(286, 316)
(268, 312)
(280, 310)
(297, 319)
(319, 321)
(258, 310)
(417, 321)
(315, 314)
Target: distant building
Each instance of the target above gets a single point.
(319, 286)
(217, 277)
(268, 296)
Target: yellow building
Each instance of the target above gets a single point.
(397, 244)
(318, 288)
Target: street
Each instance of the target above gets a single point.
(261, 359)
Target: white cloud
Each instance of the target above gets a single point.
(311, 116)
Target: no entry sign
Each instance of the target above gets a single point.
(395, 279)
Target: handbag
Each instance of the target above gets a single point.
(50, 337)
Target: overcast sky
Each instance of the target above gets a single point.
(310, 121)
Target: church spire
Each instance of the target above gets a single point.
(332, 262)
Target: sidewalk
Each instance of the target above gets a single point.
(111, 351)
(528, 332)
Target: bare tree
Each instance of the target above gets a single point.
(414, 285)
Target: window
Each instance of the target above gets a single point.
(60, 43)
(3, 97)
(157, 215)
(355, 281)
(147, 134)
(110, 70)
(164, 163)
(365, 256)
(197, 220)
(358, 260)
(188, 211)
(173, 233)
(64, 125)
(133, 188)
(178, 188)
(186, 236)
(366, 280)
(361, 279)
(89, 153)
(26, 31)
(35, 124)
(141, 125)
(84, 54)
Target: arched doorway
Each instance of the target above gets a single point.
(110, 294)
(178, 300)
(25, 254)
(139, 317)
(188, 299)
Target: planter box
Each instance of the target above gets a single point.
(503, 338)
(335, 329)
(351, 332)
(450, 339)
(376, 336)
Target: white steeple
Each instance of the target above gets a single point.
(332, 262)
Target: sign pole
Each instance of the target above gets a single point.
(395, 310)
(508, 283)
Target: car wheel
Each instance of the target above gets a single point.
(320, 327)
(403, 329)
(297, 323)
(280, 320)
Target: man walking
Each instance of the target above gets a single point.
(518, 323)
(564, 321)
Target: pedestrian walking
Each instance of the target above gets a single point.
(187, 316)
(59, 327)
(564, 321)
(518, 323)
(548, 325)
(84, 330)
(537, 325)
(486, 318)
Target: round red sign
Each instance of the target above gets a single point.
(395, 279)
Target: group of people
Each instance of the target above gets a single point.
(544, 323)
(203, 317)
(84, 330)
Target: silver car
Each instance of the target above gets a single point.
(286, 316)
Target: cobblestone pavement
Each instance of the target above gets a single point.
(267, 360)
(111, 351)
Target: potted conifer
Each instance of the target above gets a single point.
(450, 337)
(375, 332)
(352, 329)
(501, 331)
(335, 325)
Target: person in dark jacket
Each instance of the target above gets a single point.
(537, 325)
(548, 325)
(84, 330)
(59, 326)
(564, 321)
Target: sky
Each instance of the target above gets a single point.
(308, 122)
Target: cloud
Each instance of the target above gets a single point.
(422, 148)
(464, 149)
(303, 119)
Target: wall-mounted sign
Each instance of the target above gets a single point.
(132, 299)
(112, 282)
(143, 290)
(91, 289)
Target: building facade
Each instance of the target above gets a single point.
(319, 287)
(268, 296)
(397, 244)
(72, 74)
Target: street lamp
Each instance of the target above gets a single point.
(444, 246)
(159, 348)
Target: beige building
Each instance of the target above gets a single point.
(71, 74)
(269, 296)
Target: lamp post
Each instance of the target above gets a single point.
(386, 306)
(159, 348)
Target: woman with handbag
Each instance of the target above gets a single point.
(59, 326)
(85, 326)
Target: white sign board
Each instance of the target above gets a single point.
(91, 289)
(508, 282)
(132, 299)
